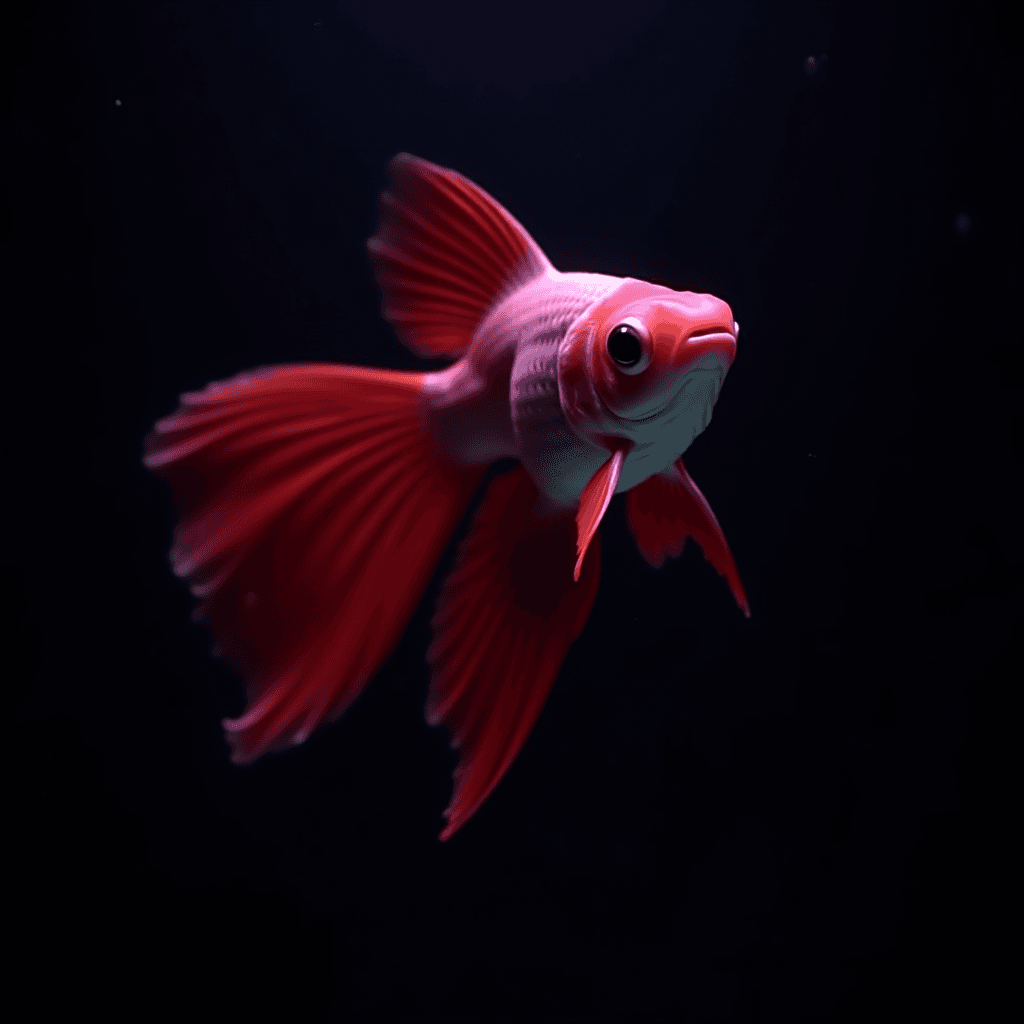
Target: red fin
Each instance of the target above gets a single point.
(594, 503)
(312, 512)
(505, 620)
(666, 509)
(444, 251)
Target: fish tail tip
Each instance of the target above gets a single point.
(449, 830)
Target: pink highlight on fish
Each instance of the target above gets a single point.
(315, 501)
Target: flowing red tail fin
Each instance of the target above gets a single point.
(312, 512)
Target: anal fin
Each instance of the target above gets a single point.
(505, 620)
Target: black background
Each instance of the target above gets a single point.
(799, 817)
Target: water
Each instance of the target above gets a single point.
(714, 818)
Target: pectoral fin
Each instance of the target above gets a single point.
(666, 509)
(593, 503)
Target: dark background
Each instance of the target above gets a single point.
(800, 817)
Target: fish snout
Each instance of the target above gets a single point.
(709, 338)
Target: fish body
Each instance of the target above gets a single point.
(514, 394)
(315, 500)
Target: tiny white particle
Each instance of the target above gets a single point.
(117, 103)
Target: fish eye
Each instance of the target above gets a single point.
(625, 347)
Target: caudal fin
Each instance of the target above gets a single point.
(312, 512)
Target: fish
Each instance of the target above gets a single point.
(315, 501)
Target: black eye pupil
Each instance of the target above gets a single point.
(624, 346)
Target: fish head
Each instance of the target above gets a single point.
(644, 366)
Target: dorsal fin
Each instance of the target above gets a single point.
(443, 252)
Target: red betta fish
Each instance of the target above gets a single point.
(315, 500)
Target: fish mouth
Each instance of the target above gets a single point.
(722, 334)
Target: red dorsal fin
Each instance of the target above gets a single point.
(443, 252)
(594, 503)
(666, 509)
(505, 620)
